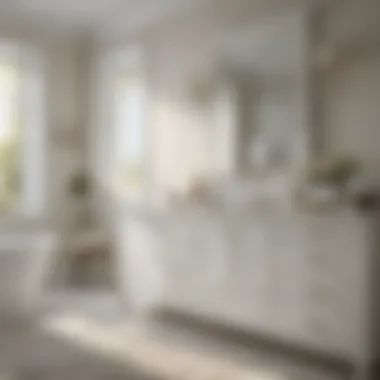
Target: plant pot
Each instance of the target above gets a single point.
(78, 213)
(366, 201)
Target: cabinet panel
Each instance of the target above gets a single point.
(296, 276)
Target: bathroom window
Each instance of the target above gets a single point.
(129, 145)
(9, 137)
(21, 129)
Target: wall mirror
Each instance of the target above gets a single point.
(262, 100)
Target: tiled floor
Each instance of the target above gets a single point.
(28, 353)
(253, 356)
(131, 343)
(180, 341)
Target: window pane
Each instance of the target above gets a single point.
(129, 142)
(9, 138)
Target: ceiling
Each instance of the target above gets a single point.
(94, 15)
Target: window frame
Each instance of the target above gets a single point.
(32, 109)
(110, 64)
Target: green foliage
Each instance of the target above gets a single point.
(10, 147)
(79, 184)
(10, 175)
(333, 170)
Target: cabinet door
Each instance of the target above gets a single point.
(183, 248)
(140, 267)
(195, 261)
(247, 279)
(290, 302)
(336, 294)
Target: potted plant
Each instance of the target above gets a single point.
(333, 171)
(79, 185)
(79, 190)
(327, 179)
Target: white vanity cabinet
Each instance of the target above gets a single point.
(337, 264)
(304, 278)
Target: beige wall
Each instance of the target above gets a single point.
(353, 90)
(64, 114)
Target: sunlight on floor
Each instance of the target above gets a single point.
(130, 345)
